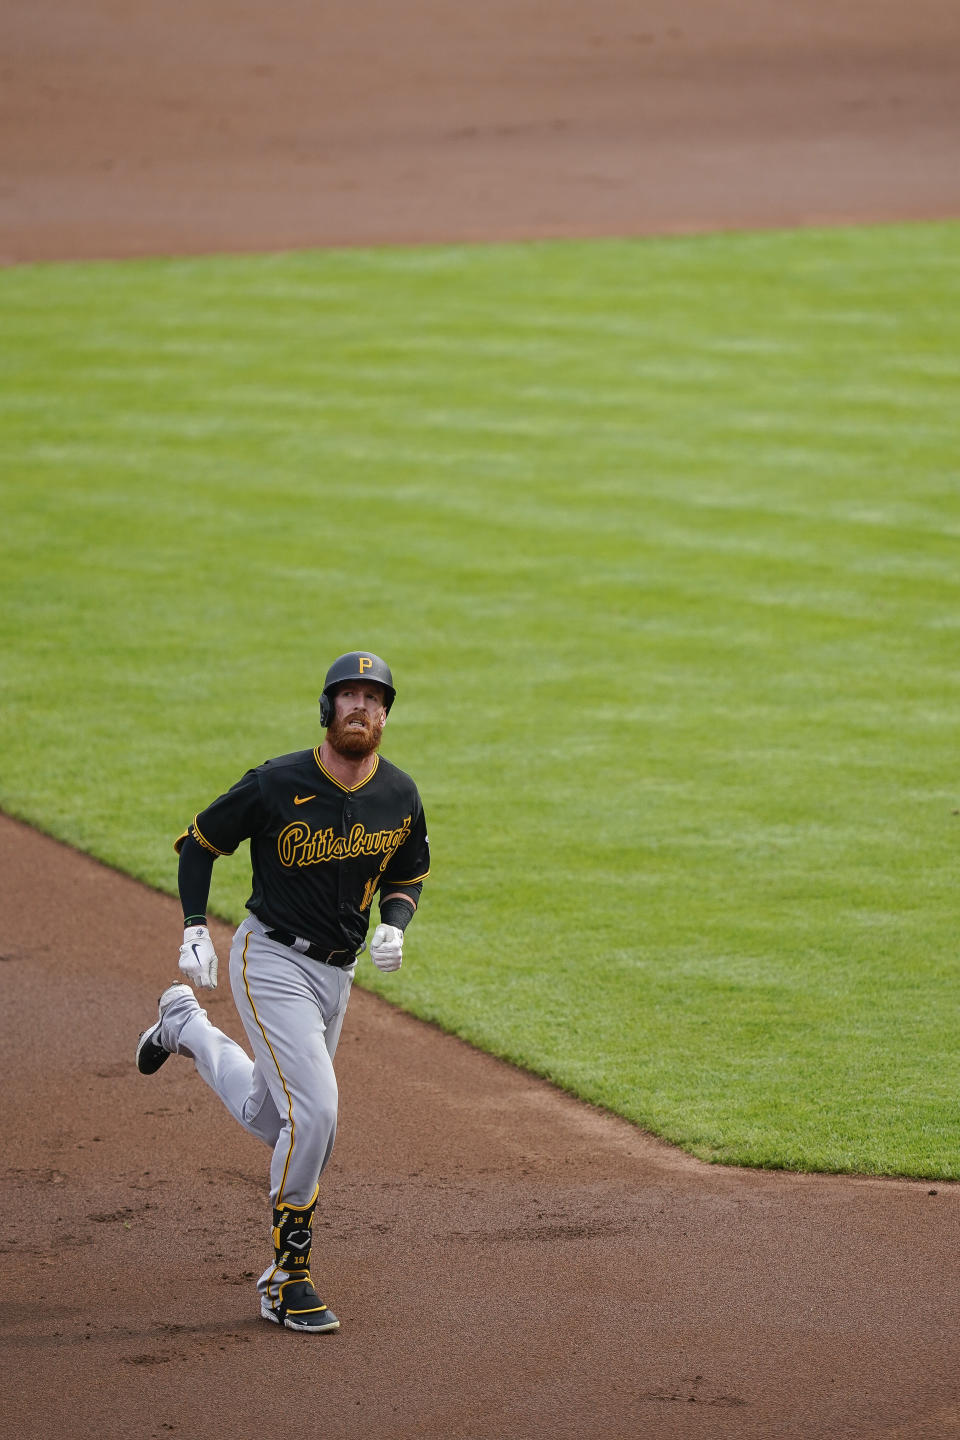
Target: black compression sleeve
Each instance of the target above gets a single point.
(396, 912)
(193, 879)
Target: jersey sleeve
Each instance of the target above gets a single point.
(234, 816)
(410, 865)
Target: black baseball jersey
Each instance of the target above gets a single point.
(319, 851)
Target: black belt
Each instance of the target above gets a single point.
(340, 958)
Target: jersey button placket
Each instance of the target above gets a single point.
(344, 903)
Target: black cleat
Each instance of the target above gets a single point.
(299, 1307)
(151, 1053)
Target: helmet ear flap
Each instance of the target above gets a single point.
(326, 710)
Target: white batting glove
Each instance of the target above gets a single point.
(198, 959)
(386, 947)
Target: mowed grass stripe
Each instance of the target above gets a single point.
(660, 538)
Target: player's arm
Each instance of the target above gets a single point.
(400, 897)
(193, 880)
(399, 909)
(198, 958)
(215, 831)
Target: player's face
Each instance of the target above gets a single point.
(359, 715)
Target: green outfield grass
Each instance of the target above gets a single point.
(662, 539)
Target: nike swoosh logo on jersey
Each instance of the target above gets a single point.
(302, 799)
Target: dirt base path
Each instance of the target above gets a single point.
(506, 1262)
(133, 128)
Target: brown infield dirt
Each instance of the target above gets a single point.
(506, 1261)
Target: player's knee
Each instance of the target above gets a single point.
(266, 1126)
(318, 1125)
(325, 1117)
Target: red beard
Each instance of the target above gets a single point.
(350, 741)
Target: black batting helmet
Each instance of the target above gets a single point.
(356, 665)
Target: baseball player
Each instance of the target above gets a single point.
(329, 829)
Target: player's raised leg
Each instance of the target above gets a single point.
(184, 1029)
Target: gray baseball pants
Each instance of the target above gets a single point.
(292, 1009)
